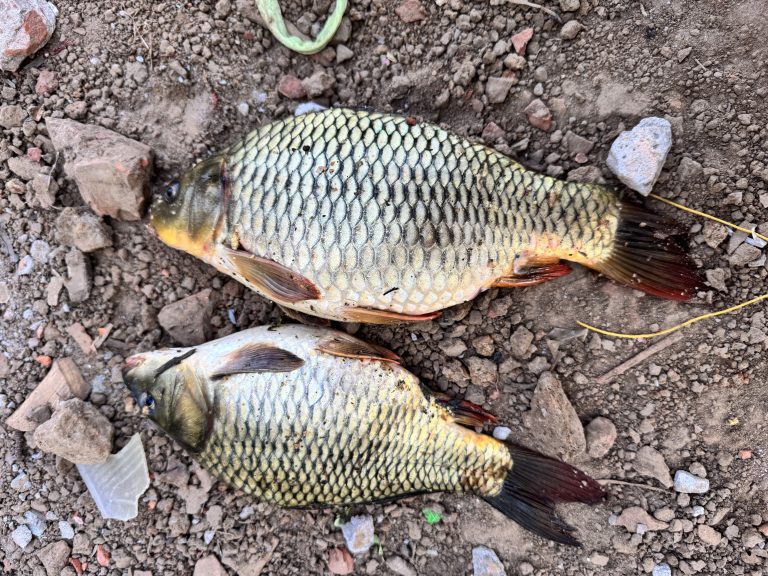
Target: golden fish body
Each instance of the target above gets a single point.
(304, 416)
(379, 217)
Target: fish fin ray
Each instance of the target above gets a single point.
(374, 316)
(348, 346)
(533, 275)
(464, 412)
(256, 358)
(532, 487)
(304, 318)
(276, 281)
(642, 260)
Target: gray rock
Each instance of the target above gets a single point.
(709, 535)
(27, 27)
(25, 266)
(188, 319)
(465, 73)
(554, 424)
(637, 156)
(452, 347)
(77, 432)
(35, 522)
(83, 230)
(520, 342)
(485, 562)
(400, 566)
(21, 483)
(501, 433)
(649, 462)
(570, 5)
(22, 536)
(317, 84)
(137, 71)
(358, 534)
(40, 250)
(514, 61)
(662, 570)
(716, 278)
(744, 254)
(54, 557)
(600, 436)
(571, 29)
(577, 144)
(66, 530)
(687, 483)
(689, 170)
(78, 281)
(497, 88)
(25, 168)
(111, 171)
(343, 54)
(12, 116)
(209, 566)
(482, 371)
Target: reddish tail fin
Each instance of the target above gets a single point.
(644, 261)
(533, 486)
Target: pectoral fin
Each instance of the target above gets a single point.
(274, 280)
(374, 316)
(464, 412)
(258, 358)
(350, 347)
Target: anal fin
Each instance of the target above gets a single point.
(533, 275)
(374, 316)
(272, 278)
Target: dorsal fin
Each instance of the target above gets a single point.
(273, 279)
(347, 346)
(258, 358)
(463, 411)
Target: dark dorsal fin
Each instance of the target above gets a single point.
(258, 358)
(464, 412)
(350, 347)
(274, 280)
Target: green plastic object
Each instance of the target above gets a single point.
(431, 516)
(273, 18)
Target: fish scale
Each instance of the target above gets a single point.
(365, 202)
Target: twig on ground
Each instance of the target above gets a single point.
(632, 484)
(640, 357)
(537, 7)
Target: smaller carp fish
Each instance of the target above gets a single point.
(304, 416)
(365, 217)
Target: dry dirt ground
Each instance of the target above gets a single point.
(188, 77)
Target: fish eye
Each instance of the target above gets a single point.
(171, 192)
(148, 404)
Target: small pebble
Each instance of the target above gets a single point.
(66, 530)
(485, 562)
(22, 536)
(687, 483)
(501, 433)
(662, 570)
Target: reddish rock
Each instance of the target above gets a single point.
(539, 115)
(111, 171)
(411, 11)
(521, 39)
(47, 82)
(492, 132)
(291, 87)
(35, 154)
(26, 26)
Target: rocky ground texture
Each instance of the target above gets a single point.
(680, 438)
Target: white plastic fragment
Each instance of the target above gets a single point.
(756, 241)
(117, 484)
(307, 107)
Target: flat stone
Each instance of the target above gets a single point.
(209, 566)
(111, 171)
(400, 566)
(188, 320)
(54, 557)
(520, 40)
(538, 115)
(520, 342)
(12, 116)
(637, 520)
(497, 88)
(708, 535)
(571, 29)
(482, 371)
(687, 483)
(410, 11)
(638, 155)
(77, 432)
(649, 462)
(83, 230)
(485, 562)
(318, 84)
(291, 87)
(554, 424)
(24, 167)
(22, 536)
(78, 280)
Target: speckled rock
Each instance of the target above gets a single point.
(638, 155)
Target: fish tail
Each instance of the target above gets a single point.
(640, 258)
(534, 484)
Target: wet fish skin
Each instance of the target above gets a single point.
(378, 212)
(309, 417)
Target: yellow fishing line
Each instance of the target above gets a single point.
(709, 216)
(676, 327)
(697, 318)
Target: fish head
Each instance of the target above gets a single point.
(188, 213)
(171, 393)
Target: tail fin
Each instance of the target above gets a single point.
(532, 487)
(644, 261)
